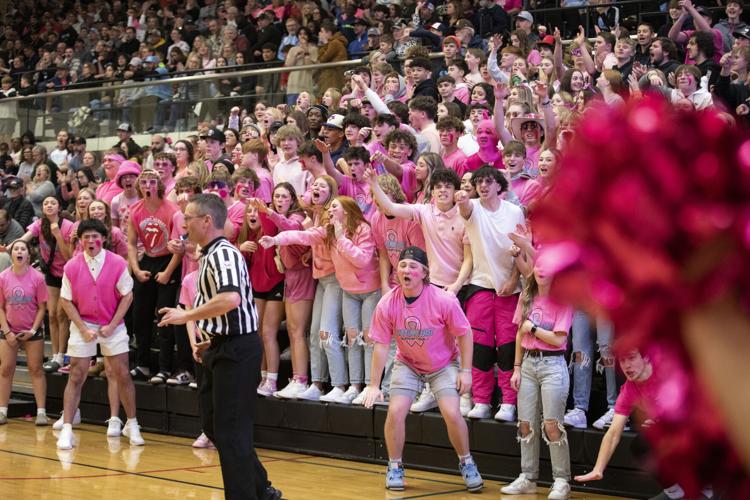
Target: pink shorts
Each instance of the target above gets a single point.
(299, 285)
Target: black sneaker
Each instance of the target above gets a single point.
(137, 374)
(272, 493)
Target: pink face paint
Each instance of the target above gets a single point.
(98, 243)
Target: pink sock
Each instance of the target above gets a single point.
(302, 379)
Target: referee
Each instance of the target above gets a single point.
(225, 313)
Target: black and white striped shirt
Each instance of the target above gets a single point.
(223, 269)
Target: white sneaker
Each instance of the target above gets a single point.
(193, 385)
(426, 401)
(267, 388)
(576, 418)
(292, 390)
(506, 413)
(58, 425)
(312, 393)
(114, 427)
(480, 410)
(466, 404)
(133, 431)
(605, 420)
(521, 486)
(65, 441)
(333, 396)
(560, 490)
(349, 396)
(360, 399)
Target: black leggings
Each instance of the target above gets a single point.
(148, 298)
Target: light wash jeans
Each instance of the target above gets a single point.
(583, 342)
(358, 309)
(544, 382)
(327, 354)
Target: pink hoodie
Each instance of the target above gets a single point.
(354, 261)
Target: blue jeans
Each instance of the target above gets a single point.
(583, 369)
(358, 309)
(326, 351)
(544, 390)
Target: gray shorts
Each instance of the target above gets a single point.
(407, 382)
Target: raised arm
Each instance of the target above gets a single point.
(402, 211)
(498, 114)
(328, 162)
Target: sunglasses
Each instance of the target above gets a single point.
(216, 185)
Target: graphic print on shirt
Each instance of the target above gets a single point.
(392, 244)
(537, 317)
(364, 202)
(155, 234)
(413, 334)
(18, 298)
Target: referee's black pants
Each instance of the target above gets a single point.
(227, 403)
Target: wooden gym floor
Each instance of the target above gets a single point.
(98, 467)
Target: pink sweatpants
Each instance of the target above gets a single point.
(491, 319)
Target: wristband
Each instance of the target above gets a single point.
(465, 370)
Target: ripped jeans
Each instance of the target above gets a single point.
(327, 355)
(358, 309)
(583, 369)
(544, 391)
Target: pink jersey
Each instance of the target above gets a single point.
(425, 330)
(546, 314)
(66, 228)
(153, 228)
(456, 161)
(392, 235)
(21, 296)
(189, 289)
(107, 190)
(444, 236)
(360, 191)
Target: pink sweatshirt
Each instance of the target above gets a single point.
(313, 237)
(354, 261)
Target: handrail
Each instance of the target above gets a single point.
(186, 79)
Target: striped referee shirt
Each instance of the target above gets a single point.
(223, 269)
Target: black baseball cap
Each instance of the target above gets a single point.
(414, 253)
(214, 133)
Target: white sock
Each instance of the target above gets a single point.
(132, 421)
(59, 357)
(272, 376)
(466, 459)
(263, 374)
(394, 463)
(674, 492)
(40, 411)
(68, 427)
(4, 410)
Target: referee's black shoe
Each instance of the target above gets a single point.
(272, 493)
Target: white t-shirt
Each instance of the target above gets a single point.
(60, 156)
(490, 245)
(291, 171)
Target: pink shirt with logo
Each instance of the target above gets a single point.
(21, 296)
(392, 235)
(361, 193)
(547, 314)
(120, 208)
(153, 228)
(444, 236)
(475, 162)
(66, 228)
(425, 330)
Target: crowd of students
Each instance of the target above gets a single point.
(325, 192)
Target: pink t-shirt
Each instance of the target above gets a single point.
(527, 190)
(392, 235)
(456, 161)
(189, 289)
(66, 228)
(120, 209)
(21, 296)
(189, 262)
(532, 161)
(546, 314)
(444, 235)
(107, 190)
(236, 215)
(265, 186)
(360, 191)
(409, 180)
(425, 330)
(154, 228)
(637, 395)
(475, 162)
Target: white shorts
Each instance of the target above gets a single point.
(115, 344)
